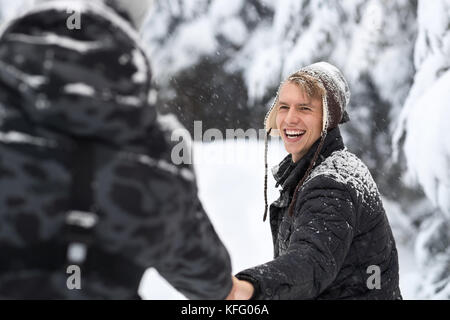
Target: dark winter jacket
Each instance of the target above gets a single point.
(338, 232)
(71, 97)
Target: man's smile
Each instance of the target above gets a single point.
(293, 135)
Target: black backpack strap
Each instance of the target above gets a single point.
(81, 219)
(83, 175)
(77, 243)
(82, 248)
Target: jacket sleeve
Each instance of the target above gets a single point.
(322, 231)
(197, 264)
(192, 259)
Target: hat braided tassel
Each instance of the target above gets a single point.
(265, 173)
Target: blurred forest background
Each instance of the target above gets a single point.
(221, 61)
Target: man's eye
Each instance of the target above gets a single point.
(305, 108)
(284, 107)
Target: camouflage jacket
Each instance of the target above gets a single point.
(63, 88)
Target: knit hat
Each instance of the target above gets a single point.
(334, 103)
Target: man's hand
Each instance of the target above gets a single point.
(242, 290)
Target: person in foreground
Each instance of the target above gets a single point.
(89, 195)
(331, 235)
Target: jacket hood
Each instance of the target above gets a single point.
(135, 11)
(91, 82)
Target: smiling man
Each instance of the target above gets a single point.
(299, 118)
(332, 239)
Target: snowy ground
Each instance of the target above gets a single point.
(230, 178)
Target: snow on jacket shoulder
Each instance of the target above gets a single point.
(339, 232)
(60, 88)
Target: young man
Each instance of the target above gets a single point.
(86, 177)
(332, 239)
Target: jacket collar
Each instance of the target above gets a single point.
(288, 173)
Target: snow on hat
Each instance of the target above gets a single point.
(134, 11)
(334, 103)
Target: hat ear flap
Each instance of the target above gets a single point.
(270, 122)
(345, 117)
(324, 113)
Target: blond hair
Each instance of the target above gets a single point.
(310, 85)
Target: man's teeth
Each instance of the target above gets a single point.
(294, 133)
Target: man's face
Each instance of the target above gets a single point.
(299, 119)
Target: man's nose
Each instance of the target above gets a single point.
(292, 116)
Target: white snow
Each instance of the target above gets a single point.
(132, 101)
(358, 36)
(141, 65)
(427, 109)
(234, 30)
(433, 256)
(33, 81)
(197, 38)
(80, 6)
(79, 88)
(10, 8)
(60, 41)
(137, 9)
(183, 52)
(161, 165)
(19, 137)
(353, 172)
(427, 147)
(223, 9)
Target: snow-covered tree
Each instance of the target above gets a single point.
(221, 62)
(423, 133)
